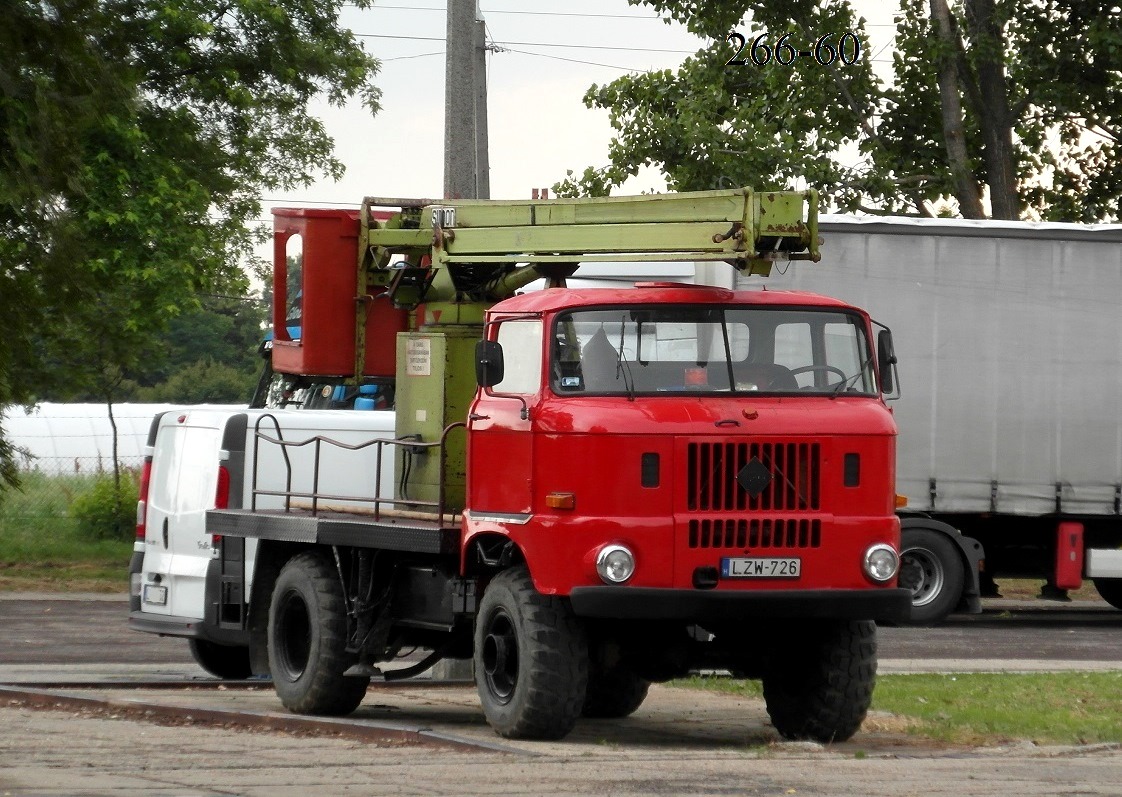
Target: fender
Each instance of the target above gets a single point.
(970, 550)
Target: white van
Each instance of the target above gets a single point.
(201, 458)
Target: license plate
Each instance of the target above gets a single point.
(761, 567)
(156, 595)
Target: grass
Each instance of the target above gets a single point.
(42, 548)
(988, 708)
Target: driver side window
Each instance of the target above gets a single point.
(522, 357)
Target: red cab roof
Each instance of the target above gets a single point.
(552, 299)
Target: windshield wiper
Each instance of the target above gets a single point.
(622, 366)
(844, 384)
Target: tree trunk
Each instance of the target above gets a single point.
(994, 115)
(965, 186)
(116, 463)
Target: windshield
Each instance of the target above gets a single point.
(688, 349)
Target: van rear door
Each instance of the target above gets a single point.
(184, 479)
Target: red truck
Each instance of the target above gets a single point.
(594, 489)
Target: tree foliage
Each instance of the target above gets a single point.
(995, 108)
(136, 138)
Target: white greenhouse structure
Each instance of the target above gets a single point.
(58, 439)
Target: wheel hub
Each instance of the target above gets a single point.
(500, 658)
(922, 573)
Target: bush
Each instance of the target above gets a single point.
(101, 515)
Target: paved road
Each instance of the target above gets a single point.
(93, 630)
(680, 742)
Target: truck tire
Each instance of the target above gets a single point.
(1110, 590)
(230, 662)
(531, 659)
(613, 693)
(818, 683)
(932, 569)
(307, 640)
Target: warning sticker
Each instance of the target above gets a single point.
(418, 357)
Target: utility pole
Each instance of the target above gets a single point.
(479, 74)
(465, 104)
(465, 156)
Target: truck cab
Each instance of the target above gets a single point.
(641, 445)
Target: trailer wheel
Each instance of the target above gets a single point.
(818, 683)
(1110, 590)
(531, 659)
(932, 569)
(613, 693)
(230, 662)
(307, 640)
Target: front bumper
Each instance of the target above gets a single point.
(890, 605)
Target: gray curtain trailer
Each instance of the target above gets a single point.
(1009, 339)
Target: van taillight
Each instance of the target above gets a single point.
(222, 493)
(221, 497)
(142, 501)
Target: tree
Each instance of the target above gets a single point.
(137, 138)
(1010, 105)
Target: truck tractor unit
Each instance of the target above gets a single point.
(585, 490)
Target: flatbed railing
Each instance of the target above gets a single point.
(377, 502)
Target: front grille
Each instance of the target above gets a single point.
(776, 533)
(712, 469)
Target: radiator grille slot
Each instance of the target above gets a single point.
(712, 469)
(756, 533)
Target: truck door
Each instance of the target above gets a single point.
(500, 446)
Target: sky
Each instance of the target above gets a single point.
(548, 53)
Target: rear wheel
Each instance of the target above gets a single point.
(818, 682)
(1110, 590)
(307, 640)
(230, 662)
(932, 569)
(531, 659)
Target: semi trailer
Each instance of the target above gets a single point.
(1010, 344)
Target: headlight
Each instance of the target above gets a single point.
(881, 562)
(615, 564)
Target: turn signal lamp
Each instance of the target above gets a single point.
(901, 501)
(561, 501)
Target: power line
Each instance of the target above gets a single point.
(503, 11)
(532, 44)
(597, 47)
(408, 57)
(575, 61)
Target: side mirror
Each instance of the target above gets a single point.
(886, 361)
(488, 363)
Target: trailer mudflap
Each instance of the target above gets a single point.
(1069, 556)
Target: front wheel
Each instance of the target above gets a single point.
(1110, 590)
(818, 682)
(531, 659)
(307, 640)
(230, 662)
(932, 569)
